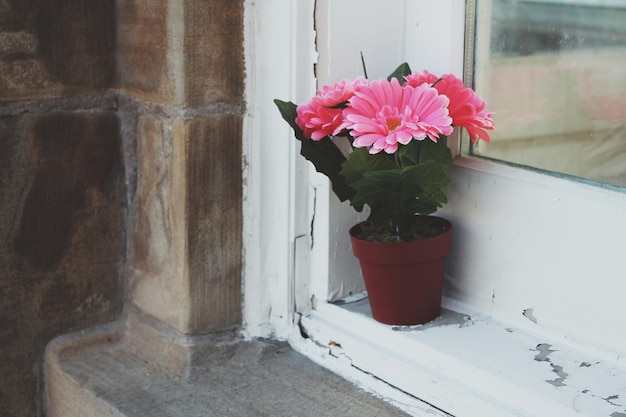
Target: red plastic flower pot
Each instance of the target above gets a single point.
(404, 280)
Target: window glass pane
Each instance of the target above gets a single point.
(554, 72)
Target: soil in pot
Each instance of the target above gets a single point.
(422, 227)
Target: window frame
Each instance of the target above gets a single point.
(482, 48)
(287, 208)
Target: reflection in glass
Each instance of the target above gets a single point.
(554, 72)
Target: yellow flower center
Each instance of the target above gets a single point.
(392, 124)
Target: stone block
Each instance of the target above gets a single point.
(56, 48)
(193, 55)
(24, 72)
(214, 215)
(74, 156)
(62, 218)
(159, 284)
(214, 57)
(17, 43)
(187, 240)
(77, 40)
(146, 59)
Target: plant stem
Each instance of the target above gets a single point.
(363, 63)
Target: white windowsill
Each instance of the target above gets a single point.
(468, 364)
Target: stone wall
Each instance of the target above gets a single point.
(120, 172)
(186, 248)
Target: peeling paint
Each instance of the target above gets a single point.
(352, 298)
(553, 370)
(447, 318)
(544, 356)
(611, 399)
(528, 313)
(562, 376)
(544, 352)
(335, 350)
(617, 414)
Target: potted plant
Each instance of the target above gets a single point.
(383, 144)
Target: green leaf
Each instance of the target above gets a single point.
(400, 72)
(436, 151)
(398, 194)
(361, 161)
(416, 152)
(405, 189)
(324, 155)
(289, 113)
(409, 154)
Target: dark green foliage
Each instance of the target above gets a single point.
(400, 72)
(398, 189)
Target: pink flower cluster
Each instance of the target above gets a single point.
(323, 114)
(466, 108)
(383, 114)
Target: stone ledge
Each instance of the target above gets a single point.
(132, 368)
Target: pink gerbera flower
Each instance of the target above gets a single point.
(322, 115)
(384, 114)
(467, 109)
(415, 79)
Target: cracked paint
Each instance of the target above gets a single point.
(610, 399)
(561, 376)
(447, 318)
(336, 350)
(544, 352)
(544, 356)
(312, 225)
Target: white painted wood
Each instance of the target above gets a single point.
(531, 241)
(279, 64)
(469, 364)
